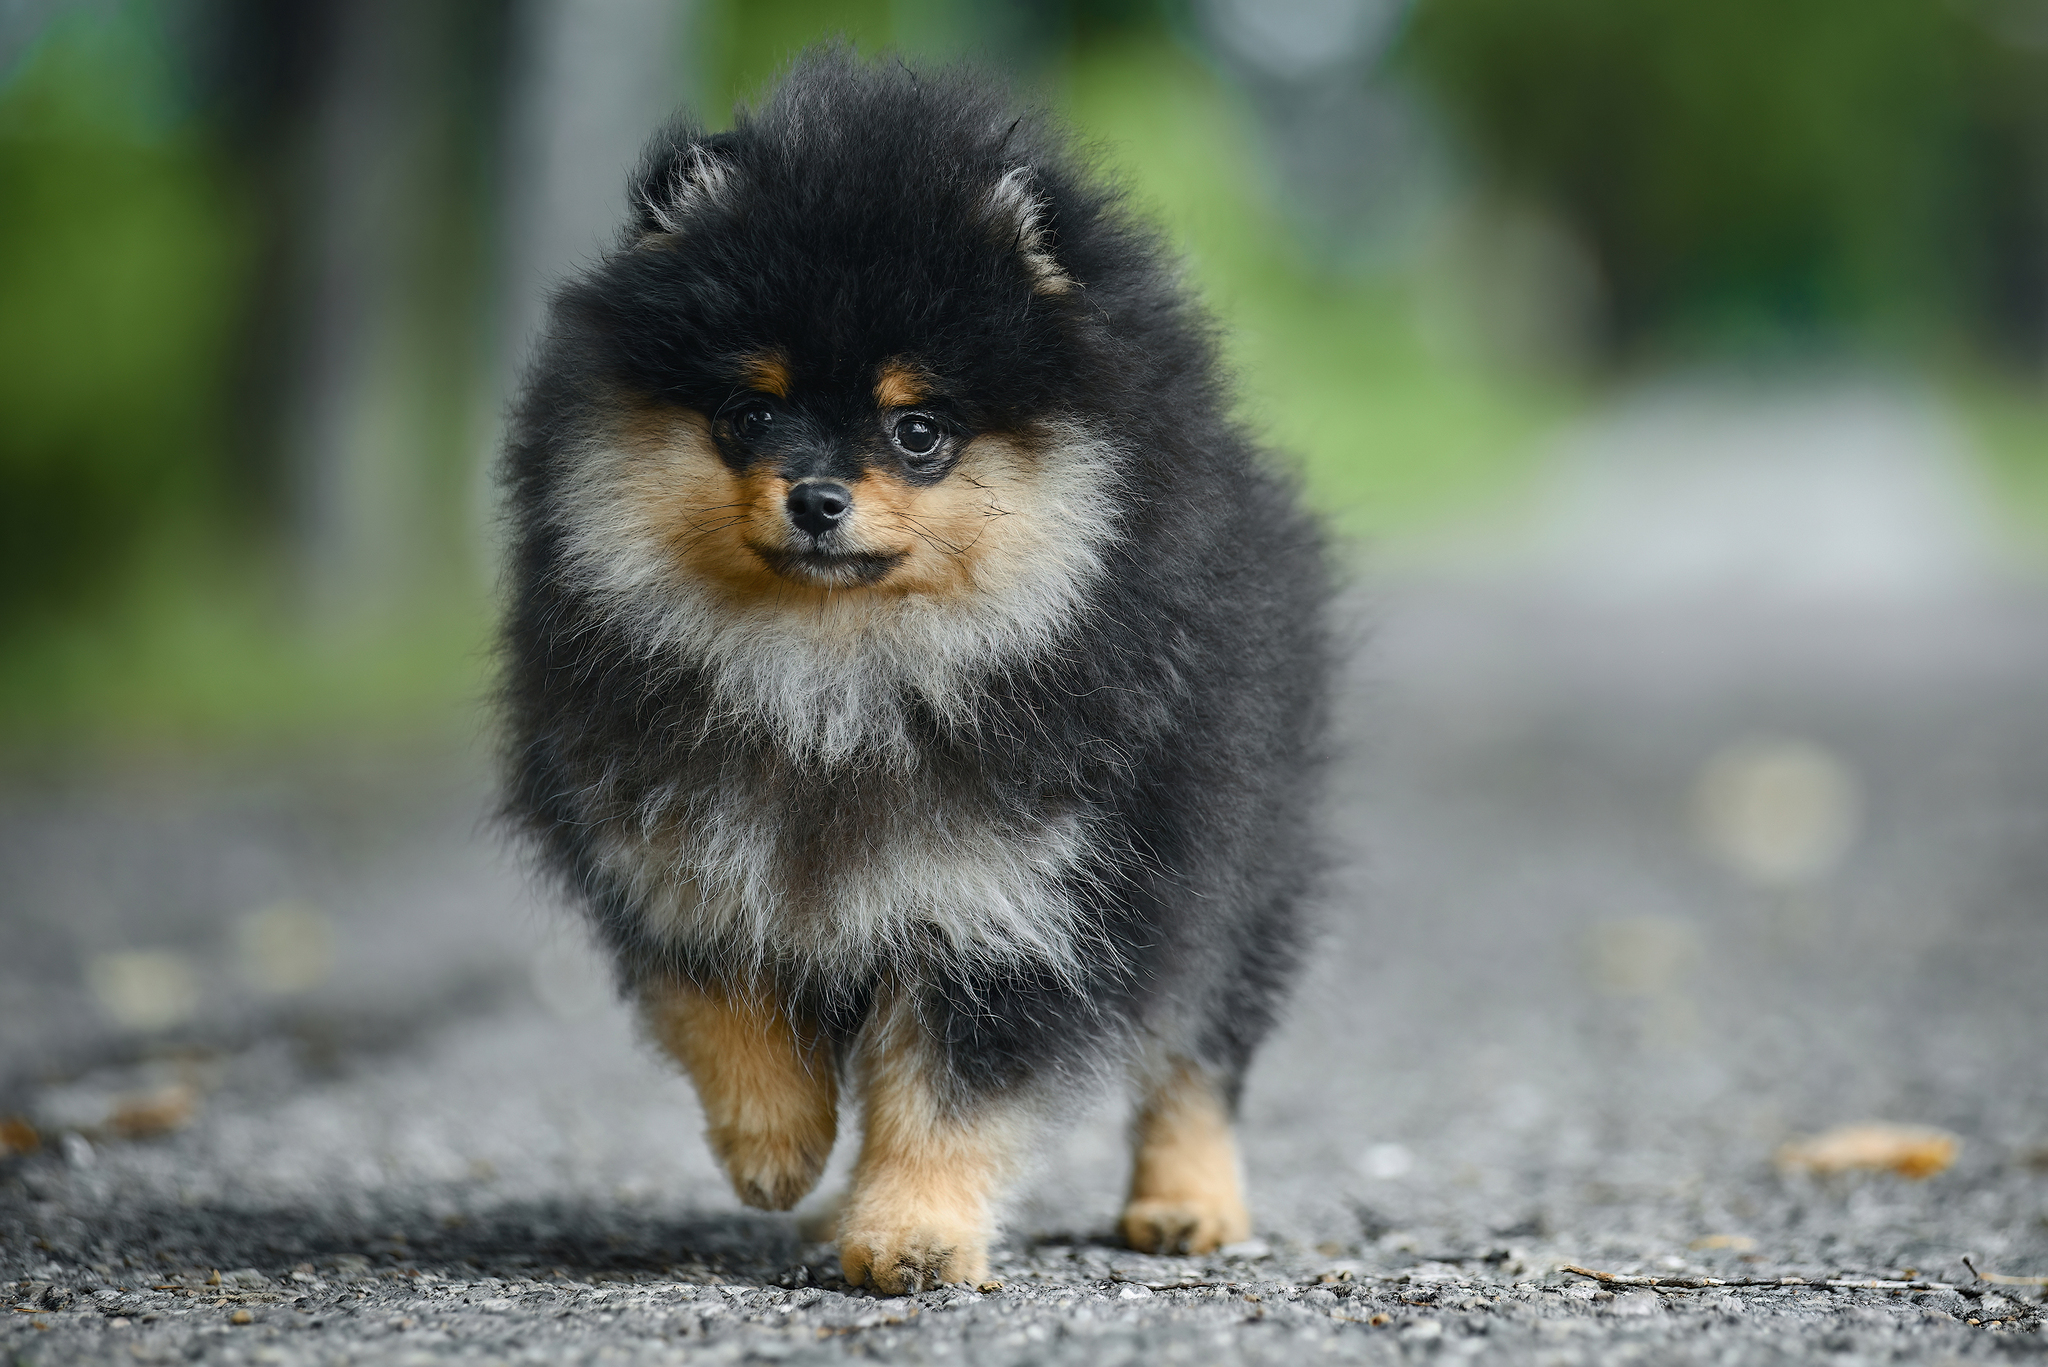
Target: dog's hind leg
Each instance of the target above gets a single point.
(1187, 1189)
(769, 1086)
(933, 1164)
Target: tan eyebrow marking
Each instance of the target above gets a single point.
(767, 371)
(898, 385)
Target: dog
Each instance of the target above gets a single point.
(910, 663)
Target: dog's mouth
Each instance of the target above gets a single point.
(816, 564)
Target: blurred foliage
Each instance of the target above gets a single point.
(151, 592)
(1393, 427)
(741, 47)
(1750, 172)
(2007, 421)
(1740, 171)
(119, 284)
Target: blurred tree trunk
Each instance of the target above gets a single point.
(394, 247)
(590, 81)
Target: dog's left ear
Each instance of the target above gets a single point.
(1019, 214)
(686, 182)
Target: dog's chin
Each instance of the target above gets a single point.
(821, 567)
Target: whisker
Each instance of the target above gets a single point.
(977, 538)
(915, 522)
(931, 541)
(703, 529)
(919, 529)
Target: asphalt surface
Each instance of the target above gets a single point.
(1646, 867)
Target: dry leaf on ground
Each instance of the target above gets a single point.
(1915, 1151)
(144, 1115)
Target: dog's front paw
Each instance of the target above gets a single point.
(902, 1262)
(1184, 1226)
(772, 1171)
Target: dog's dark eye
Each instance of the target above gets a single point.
(752, 422)
(918, 435)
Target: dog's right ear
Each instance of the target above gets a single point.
(1020, 216)
(680, 185)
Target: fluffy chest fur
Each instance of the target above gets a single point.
(773, 865)
(813, 780)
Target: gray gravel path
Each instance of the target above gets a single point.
(1568, 1008)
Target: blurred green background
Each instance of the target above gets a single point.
(267, 272)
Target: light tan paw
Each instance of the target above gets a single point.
(902, 1262)
(1184, 1226)
(772, 1171)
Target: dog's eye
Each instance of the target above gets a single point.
(918, 434)
(752, 422)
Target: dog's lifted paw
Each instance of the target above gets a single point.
(771, 1172)
(1184, 1226)
(905, 1261)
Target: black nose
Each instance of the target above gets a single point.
(817, 506)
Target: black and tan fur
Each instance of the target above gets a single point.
(950, 778)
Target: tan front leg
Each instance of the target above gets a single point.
(770, 1091)
(923, 1205)
(1187, 1194)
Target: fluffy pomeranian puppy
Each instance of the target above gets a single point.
(911, 665)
